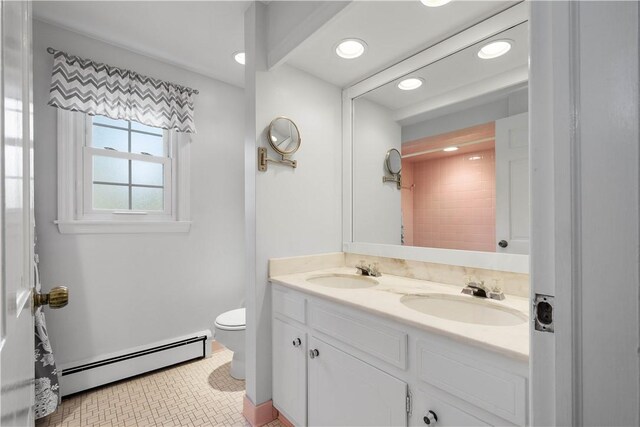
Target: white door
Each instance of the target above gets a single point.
(585, 208)
(512, 184)
(345, 391)
(290, 372)
(16, 316)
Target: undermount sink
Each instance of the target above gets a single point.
(343, 281)
(464, 309)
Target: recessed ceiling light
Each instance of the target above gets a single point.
(450, 149)
(239, 57)
(410, 83)
(494, 49)
(350, 48)
(434, 3)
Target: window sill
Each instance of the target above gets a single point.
(122, 227)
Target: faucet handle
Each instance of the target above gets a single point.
(375, 267)
(496, 290)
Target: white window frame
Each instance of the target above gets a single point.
(75, 212)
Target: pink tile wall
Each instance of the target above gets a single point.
(454, 202)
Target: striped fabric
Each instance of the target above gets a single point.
(79, 84)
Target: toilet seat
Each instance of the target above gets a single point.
(234, 320)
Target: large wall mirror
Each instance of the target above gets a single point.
(460, 124)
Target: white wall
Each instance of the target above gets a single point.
(514, 103)
(377, 209)
(130, 290)
(295, 211)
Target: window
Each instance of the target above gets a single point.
(127, 168)
(126, 176)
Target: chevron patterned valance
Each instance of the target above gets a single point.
(79, 84)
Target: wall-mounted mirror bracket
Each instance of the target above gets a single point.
(263, 160)
(397, 178)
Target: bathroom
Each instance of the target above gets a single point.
(370, 213)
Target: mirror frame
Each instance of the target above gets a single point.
(515, 15)
(387, 161)
(270, 136)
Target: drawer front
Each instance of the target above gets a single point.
(487, 387)
(447, 414)
(288, 304)
(376, 339)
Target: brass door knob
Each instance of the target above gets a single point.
(57, 298)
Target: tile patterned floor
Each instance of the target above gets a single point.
(199, 393)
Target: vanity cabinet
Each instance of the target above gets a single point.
(354, 368)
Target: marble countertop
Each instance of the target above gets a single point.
(384, 300)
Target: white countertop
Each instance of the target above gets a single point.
(384, 300)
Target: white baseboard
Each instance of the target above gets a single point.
(87, 374)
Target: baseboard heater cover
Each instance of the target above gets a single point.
(94, 373)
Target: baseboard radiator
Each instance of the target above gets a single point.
(92, 373)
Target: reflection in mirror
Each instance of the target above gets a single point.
(284, 136)
(393, 163)
(463, 139)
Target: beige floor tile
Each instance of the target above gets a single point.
(200, 393)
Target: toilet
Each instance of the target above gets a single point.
(229, 331)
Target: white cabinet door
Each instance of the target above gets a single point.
(290, 372)
(345, 391)
(512, 184)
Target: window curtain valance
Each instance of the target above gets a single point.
(90, 87)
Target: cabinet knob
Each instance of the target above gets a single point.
(431, 418)
(297, 342)
(314, 353)
(503, 243)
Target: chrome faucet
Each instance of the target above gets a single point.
(480, 290)
(477, 289)
(368, 270)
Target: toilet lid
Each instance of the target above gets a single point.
(233, 318)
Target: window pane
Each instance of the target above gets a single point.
(110, 122)
(110, 137)
(110, 196)
(147, 199)
(144, 143)
(110, 169)
(145, 128)
(13, 193)
(146, 173)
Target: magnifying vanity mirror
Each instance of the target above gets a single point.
(284, 137)
(457, 126)
(393, 163)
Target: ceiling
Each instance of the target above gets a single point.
(200, 36)
(461, 70)
(393, 30)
